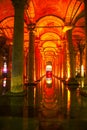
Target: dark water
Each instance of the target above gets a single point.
(46, 106)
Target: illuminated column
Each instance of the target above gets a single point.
(54, 66)
(31, 28)
(85, 2)
(37, 65)
(17, 50)
(10, 60)
(57, 66)
(25, 64)
(64, 62)
(71, 54)
(41, 66)
(81, 49)
(62, 68)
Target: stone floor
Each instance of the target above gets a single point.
(44, 107)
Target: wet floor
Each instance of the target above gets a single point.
(47, 106)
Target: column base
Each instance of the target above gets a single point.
(85, 81)
(31, 84)
(83, 91)
(72, 83)
(19, 94)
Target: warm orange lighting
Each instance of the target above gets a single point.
(68, 73)
(49, 80)
(48, 72)
(68, 100)
(49, 92)
(31, 11)
(48, 68)
(82, 83)
(82, 71)
(66, 28)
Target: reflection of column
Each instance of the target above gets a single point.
(17, 54)
(31, 52)
(71, 54)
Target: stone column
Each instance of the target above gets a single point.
(71, 54)
(31, 28)
(72, 80)
(37, 63)
(65, 63)
(17, 50)
(85, 3)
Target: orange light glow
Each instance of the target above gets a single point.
(48, 68)
(68, 73)
(66, 28)
(68, 100)
(52, 18)
(30, 11)
(49, 80)
(82, 71)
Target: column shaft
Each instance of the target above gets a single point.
(71, 54)
(31, 55)
(17, 52)
(85, 2)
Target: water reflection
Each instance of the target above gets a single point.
(68, 101)
(49, 105)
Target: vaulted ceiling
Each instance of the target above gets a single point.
(52, 17)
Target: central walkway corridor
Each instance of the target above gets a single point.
(49, 105)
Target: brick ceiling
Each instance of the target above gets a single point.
(52, 18)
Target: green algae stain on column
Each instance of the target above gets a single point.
(17, 84)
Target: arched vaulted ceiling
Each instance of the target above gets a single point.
(52, 18)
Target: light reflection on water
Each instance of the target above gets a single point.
(45, 106)
(68, 101)
(60, 100)
(52, 98)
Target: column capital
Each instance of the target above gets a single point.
(19, 3)
(31, 26)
